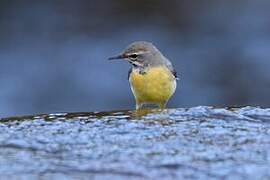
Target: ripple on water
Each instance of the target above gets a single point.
(199, 142)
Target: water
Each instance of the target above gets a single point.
(196, 143)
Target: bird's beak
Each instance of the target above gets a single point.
(121, 56)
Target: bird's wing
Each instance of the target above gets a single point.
(173, 71)
(170, 67)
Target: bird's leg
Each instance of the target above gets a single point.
(162, 105)
(138, 105)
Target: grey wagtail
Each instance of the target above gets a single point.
(152, 77)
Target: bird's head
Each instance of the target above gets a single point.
(141, 54)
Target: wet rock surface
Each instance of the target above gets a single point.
(195, 143)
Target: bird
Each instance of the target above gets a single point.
(152, 76)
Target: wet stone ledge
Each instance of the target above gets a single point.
(195, 143)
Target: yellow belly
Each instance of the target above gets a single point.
(155, 86)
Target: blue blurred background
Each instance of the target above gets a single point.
(53, 54)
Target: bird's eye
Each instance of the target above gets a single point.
(133, 56)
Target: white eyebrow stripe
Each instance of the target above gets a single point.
(139, 53)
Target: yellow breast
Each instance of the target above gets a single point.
(156, 85)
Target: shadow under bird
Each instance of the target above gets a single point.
(152, 77)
